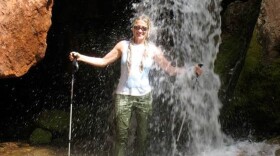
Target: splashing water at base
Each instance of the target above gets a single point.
(244, 148)
(189, 31)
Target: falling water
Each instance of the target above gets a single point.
(187, 108)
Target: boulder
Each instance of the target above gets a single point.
(23, 32)
(54, 121)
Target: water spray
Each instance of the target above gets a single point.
(184, 118)
(75, 68)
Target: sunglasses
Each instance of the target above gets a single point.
(136, 27)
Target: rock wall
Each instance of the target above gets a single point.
(253, 108)
(23, 32)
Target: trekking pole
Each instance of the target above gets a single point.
(75, 67)
(179, 134)
(183, 121)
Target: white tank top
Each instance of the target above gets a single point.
(136, 82)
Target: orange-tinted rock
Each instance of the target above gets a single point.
(23, 32)
(269, 24)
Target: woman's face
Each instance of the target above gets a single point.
(140, 31)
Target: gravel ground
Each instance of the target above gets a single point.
(24, 149)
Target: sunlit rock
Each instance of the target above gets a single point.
(23, 32)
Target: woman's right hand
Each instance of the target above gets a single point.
(74, 55)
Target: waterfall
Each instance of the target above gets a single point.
(186, 108)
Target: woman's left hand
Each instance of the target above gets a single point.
(198, 70)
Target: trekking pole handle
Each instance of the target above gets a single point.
(75, 63)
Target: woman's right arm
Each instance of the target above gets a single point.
(109, 58)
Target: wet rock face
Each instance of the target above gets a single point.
(23, 31)
(269, 24)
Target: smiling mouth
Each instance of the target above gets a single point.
(140, 34)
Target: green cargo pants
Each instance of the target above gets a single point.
(124, 106)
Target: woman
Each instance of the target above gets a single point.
(133, 92)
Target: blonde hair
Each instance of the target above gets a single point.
(146, 19)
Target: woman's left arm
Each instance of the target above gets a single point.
(165, 64)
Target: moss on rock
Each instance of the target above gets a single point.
(54, 120)
(40, 136)
(228, 56)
